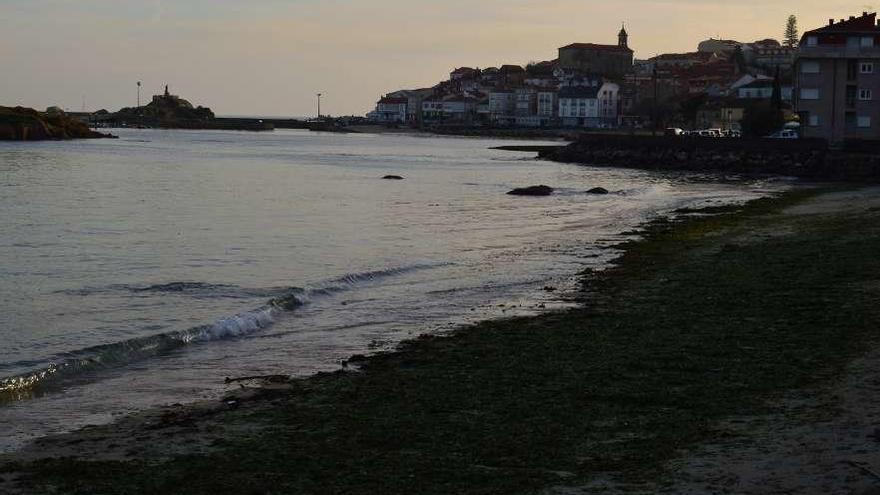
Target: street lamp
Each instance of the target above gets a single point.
(319, 105)
(139, 94)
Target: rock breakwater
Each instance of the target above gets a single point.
(804, 158)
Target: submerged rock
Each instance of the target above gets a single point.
(598, 190)
(392, 177)
(532, 191)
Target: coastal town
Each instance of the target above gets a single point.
(820, 85)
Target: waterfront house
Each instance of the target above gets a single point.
(526, 101)
(837, 75)
(608, 105)
(459, 109)
(548, 103)
(582, 106)
(432, 110)
(392, 110)
(502, 106)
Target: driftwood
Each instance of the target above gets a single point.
(268, 378)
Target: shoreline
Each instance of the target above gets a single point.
(462, 384)
(811, 159)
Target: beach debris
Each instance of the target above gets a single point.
(392, 177)
(541, 190)
(598, 190)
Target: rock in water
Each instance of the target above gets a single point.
(532, 191)
(598, 190)
(392, 177)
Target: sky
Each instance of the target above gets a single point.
(271, 57)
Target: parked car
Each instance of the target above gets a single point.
(785, 134)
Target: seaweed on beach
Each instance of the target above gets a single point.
(704, 318)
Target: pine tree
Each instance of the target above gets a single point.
(792, 38)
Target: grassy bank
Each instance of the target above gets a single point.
(705, 319)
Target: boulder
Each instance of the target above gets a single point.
(392, 177)
(532, 191)
(598, 190)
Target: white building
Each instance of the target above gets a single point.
(502, 106)
(582, 106)
(548, 103)
(609, 103)
(391, 110)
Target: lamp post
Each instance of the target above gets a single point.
(139, 94)
(319, 105)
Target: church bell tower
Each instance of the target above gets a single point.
(623, 38)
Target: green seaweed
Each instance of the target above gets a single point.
(705, 318)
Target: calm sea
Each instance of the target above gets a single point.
(141, 271)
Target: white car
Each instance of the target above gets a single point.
(785, 134)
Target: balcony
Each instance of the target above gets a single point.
(839, 51)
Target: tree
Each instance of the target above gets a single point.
(761, 119)
(739, 59)
(792, 37)
(776, 98)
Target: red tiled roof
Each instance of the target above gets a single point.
(594, 46)
(702, 56)
(393, 101)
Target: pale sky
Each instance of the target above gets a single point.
(270, 57)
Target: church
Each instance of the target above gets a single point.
(612, 61)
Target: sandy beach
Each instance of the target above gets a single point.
(733, 351)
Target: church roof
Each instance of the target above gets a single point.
(594, 46)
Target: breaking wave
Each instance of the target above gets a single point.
(240, 325)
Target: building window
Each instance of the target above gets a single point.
(866, 94)
(864, 122)
(852, 68)
(867, 68)
(812, 41)
(814, 121)
(809, 94)
(853, 41)
(867, 41)
(810, 67)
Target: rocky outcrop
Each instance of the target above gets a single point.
(805, 158)
(392, 177)
(26, 124)
(532, 191)
(598, 190)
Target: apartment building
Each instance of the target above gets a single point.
(837, 75)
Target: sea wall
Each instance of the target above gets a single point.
(805, 158)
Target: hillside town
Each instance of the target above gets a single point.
(816, 85)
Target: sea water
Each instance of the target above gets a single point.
(143, 271)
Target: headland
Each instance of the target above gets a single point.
(27, 124)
